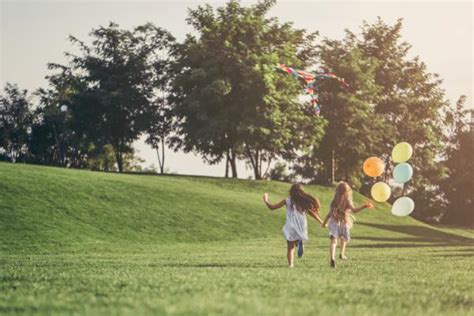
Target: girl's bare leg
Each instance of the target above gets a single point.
(343, 249)
(291, 253)
(332, 248)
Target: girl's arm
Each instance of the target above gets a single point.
(367, 204)
(326, 219)
(315, 214)
(272, 206)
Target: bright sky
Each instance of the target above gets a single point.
(34, 33)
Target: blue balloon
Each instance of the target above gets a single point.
(402, 172)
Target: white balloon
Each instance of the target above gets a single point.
(403, 206)
(63, 108)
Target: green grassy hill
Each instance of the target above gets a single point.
(43, 208)
(102, 242)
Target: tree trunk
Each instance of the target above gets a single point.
(233, 164)
(333, 168)
(227, 164)
(258, 176)
(118, 156)
(268, 167)
(162, 167)
(12, 155)
(404, 190)
(162, 163)
(254, 161)
(161, 159)
(387, 171)
(60, 158)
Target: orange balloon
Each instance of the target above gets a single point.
(373, 166)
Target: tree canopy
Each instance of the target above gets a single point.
(121, 69)
(228, 98)
(217, 93)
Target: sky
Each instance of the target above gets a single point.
(35, 32)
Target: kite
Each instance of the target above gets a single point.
(311, 82)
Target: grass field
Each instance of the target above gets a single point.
(85, 243)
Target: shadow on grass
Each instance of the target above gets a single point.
(406, 245)
(457, 250)
(429, 237)
(220, 265)
(456, 255)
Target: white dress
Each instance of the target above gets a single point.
(296, 226)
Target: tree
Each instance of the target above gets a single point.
(392, 98)
(160, 127)
(353, 128)
(279, 173)
(119, 69)
(227, 97)
(42, 143)
(103, 158)
(458, 186)
(159, 130)
(15, 122)
(58, 131)
(412, 105)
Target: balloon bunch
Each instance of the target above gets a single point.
(402, 173)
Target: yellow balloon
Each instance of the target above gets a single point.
(402, 152)
(380, 192)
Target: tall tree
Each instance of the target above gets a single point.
(228, 99)
(160, 127)
(392, 98)
(412, 104)
(458, 186)
(159, 130)
(58, 131)
(15, 122)
(353, 130)
(119, 68)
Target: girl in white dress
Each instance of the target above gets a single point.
(295, 229)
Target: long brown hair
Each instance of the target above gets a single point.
(341, 202)
(303, 200)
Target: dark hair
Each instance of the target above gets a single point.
(303, 200)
